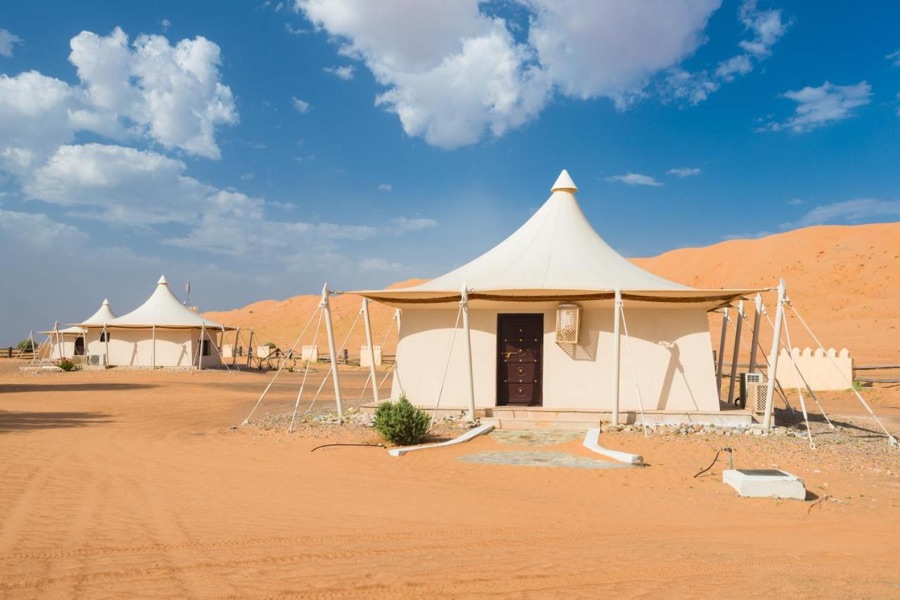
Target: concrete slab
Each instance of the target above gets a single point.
(765, 483)
(541, 459)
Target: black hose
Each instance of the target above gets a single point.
(366, 445)
(713, 462)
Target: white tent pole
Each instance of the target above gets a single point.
(464, 304)
(200, 348)
(773, 354)
(250, 349)
(106, 344)
(720, 363)
(737, 350)
(153, 353)
(368, 324)
(237, 337)
(617, 352)
(757, 317)
(332, 351)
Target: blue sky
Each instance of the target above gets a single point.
(260, 149)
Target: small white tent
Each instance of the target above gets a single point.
(544, 310)
(162, 332)
(69, 342)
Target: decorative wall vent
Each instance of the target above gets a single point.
(568, 322)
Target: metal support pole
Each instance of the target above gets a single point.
(773, 354)
(737, 350)
(200, 349)
(368, 324)
(464, 303)
(757, 319)
(250, 349)
(153, 348)
(617, 347)
(721, 353)
(332, 352)
(237, 337)
(106, 342)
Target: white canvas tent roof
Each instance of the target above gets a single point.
(556, 255)
(103, 315)
(162, 310)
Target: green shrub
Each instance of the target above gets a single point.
(25, 345)
(66, 364)
(400, 422)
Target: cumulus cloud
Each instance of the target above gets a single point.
(385, 187)
(821, 106)
(894, 57)
(172, 94)
(301, 106)
(7, 41)
(404, 224)
(849, 211)
(765, 28)
(345, 72)
(38, 231)
(683, 172)
(462, 73)
(634, 179)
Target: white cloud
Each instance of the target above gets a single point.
(766, 27)
(894, 57)
(379, 264)
(165, 24)
(38, 231)
(171, 94)
(683, 172)
(298, 31)
(634, 179)
(795, 202)
(823, 105)
(301, 106)
(460, 73)
(345, 72)
(403, 224)
(385, 187)
(849, 211)
(7, 41)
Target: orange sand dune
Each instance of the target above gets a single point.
(844, 280)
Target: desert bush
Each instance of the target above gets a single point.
(66, 364)
(401, 423)
(25, 345)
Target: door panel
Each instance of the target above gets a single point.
(520, 339)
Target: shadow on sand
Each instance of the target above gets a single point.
(73, 387)
(30, 421)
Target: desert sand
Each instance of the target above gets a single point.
(143, 483)
(135, 484)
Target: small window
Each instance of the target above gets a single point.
(104, 336)
(204, 347)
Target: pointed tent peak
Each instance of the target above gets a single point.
(162, 281)
(106, 302)
(564, 183)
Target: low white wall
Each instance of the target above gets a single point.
(823, 371)
(364, 359)
(671, 349)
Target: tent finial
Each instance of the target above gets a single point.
(564, 183)
(162, 281)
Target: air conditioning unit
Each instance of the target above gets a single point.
(753, 392)
(96, 360)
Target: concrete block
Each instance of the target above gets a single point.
(765, 483)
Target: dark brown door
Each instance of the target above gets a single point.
(520, 344)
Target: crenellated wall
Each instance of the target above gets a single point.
(817, 367)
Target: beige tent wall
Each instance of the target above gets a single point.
(65, 348)
(134, 348)
(671, 346)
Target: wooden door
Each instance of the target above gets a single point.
(520, 345)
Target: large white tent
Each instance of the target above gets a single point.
(162, 332)
(557, 319)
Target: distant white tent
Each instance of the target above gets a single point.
(69, 342)
(162, 332)
(543, 315)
